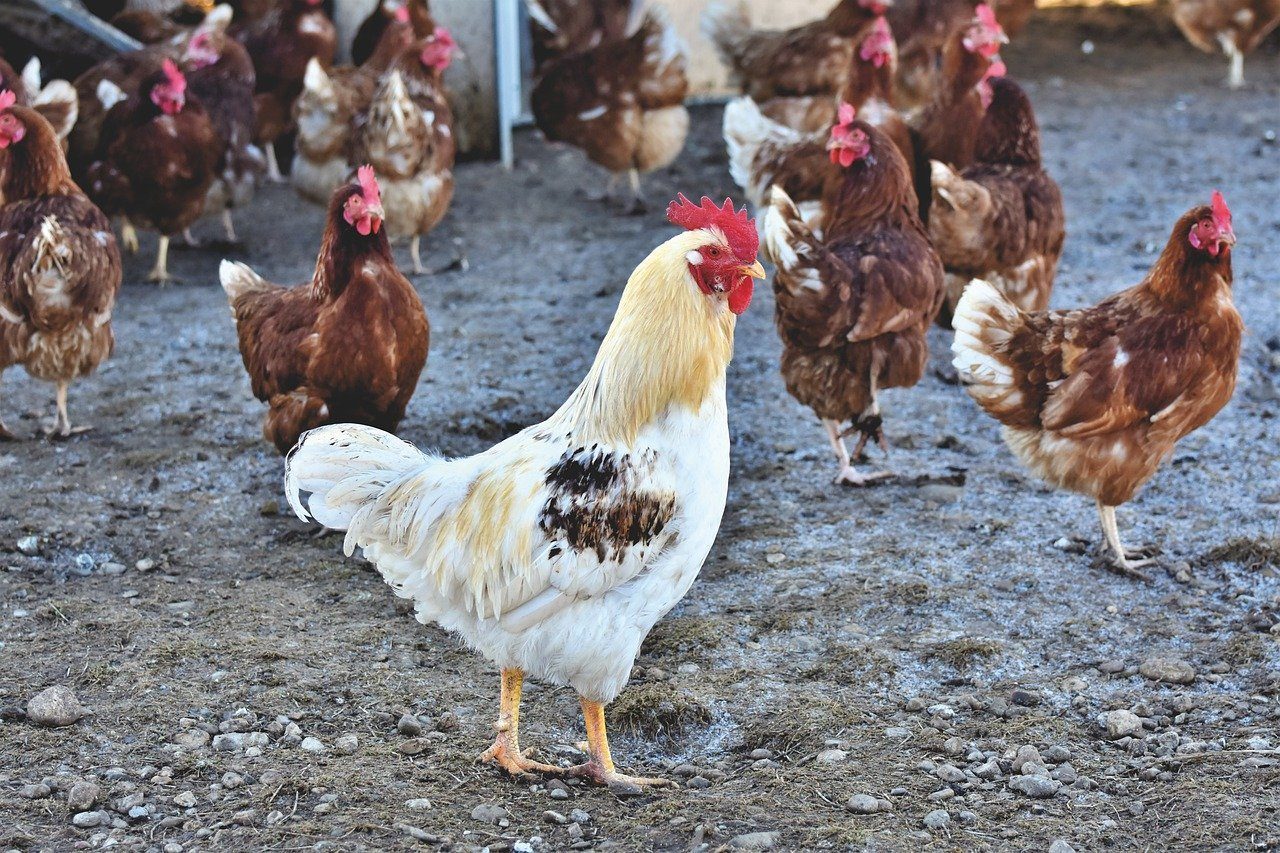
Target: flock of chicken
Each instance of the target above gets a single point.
(896, 173)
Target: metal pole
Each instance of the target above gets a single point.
(506, 30)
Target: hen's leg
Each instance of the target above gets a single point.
(1235, 77)
(273, 165)
(505, 751)
(190, 239)
(607, 195)
(847, 475)
(600, 769)
(63, 424)
(228, 226)
(5, 435)
(1112, 531)
(637, 195)
(415, 246)
(129, 237)
(160, 272)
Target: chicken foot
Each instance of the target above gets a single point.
(600, 769)
(273, 165)
(1123, 560)
(415, 249)
(228, 226)
(160, 272)
(848, 475)
(638, 205)
(505, 752)
(129, 237)
(62, 422)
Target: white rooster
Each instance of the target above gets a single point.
(556, 551)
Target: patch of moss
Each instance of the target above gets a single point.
(800, 727)
(685, 634)
(1253, 554)
(841, 663)
(656, 709)
(1244, 648)
(962, 651)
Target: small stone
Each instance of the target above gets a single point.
(698, 783)
(312, 744)
(774, 558)
(173, 847)
(38, 791)
(1026, 755)
(1037, 787)
(231, 781)
(418, 805)
(755, 841)
(269, 508)
(1065, 773)
(1111, 667)
(486, 813)
(941, 493)
(580, 816)
(83, 796)
(236, 741)
(968, 818)
(409, 726)
(897, 732)
(1167, 670)
(832, 756)
(192, 738)
(245, 817)
(989, 770)
(138, 813)
(759, 754)
(1120, 724)
(1057, 754)
(1060, 845)
(559, 794)
(949, 773)
(146, 564)
(87, 820)
(1074, 684)
(863, 804)
(54, 707)
(29, 545)
(347, 744)
(555, 817)
(414, 746)
(936, 820)
(1025, 698)
(187, 799)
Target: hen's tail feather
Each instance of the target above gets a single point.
(985, 321)
(727, 23)
(335, 471)
(238, 279)
(747, 131)
(783, 225)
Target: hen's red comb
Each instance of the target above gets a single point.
(402, 14)
(7, 99)
(176, 80)
(1221, 213)
(877, 43)
(736, 226)
(846, 114)
(986, 16)
(369, 186)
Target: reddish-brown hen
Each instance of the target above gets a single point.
(389, 13)
(348, 347)
(1094, 400)
(853, 305)
(1001, 219)
(280, 44)
(621, 102)
(947, 127)
(59, 263)
(156, 158)
(812, 59)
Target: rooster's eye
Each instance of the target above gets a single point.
(714, 252)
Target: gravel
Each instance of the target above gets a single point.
(83, 796)
(937, 820)
(1168, 670)
(1120, 723)
(1038, 787)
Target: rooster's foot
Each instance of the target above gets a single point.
(618, 783)
(514, 762)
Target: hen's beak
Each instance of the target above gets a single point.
(754, 271)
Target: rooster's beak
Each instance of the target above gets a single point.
(755, 270)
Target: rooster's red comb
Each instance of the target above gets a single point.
(369, 186)
(1221, 213)
(7, 99)
(737, 227)
(174, 75)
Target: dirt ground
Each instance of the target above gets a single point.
(901, 642)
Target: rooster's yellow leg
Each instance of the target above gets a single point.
(600, 769)
(1111, 531)
(505, 751)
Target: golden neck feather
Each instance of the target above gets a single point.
(668, 344)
